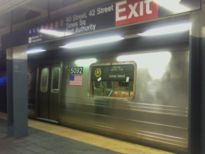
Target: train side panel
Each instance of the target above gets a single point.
(157, 114)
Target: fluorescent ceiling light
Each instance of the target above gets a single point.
(155, 62)
(93, 42)
(35, 50)
(55, 33)
(173, 5)
(165, 30)
(85, 62)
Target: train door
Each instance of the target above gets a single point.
(49, 92)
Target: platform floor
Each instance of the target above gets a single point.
(40, 142)
(47, 138)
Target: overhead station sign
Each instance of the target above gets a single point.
(89, 20)
(135, 11)
(100, 17)
(111, 14)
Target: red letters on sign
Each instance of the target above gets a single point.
(133, 11)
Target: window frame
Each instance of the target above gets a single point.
(113, 64)
(59, 80)
(42, 90)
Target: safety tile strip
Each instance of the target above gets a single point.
(95, 140)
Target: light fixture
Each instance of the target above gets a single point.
(165, 30)
(174, 6)
(85, 62)
(93, 42)
(35, 50)
(55, 33)
(154, 62)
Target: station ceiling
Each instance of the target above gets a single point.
(23, 12)
(30, 11)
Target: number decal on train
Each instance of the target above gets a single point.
(76, 70)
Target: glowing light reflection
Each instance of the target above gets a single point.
(55, 33)
(93, 42)
(85, 62)
(165, 30)
(155, 62)
(35, 50)
(2, 81)
(173, 5)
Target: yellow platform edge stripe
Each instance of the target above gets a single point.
(95, 140)
(103, 142)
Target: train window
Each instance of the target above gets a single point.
(44, 80)
(113, 80)
(55, 82)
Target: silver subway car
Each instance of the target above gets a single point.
(137, 96)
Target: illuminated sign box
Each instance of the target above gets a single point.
(108, 15)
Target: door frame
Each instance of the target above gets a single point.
(50, 65)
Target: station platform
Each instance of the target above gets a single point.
(45, 138)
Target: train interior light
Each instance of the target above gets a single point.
(174, 6)
(35, 50)
(55, 33)
(166, 30)
(155, 62)
(93, 42)
(85, 62)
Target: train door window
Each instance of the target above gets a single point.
(55, 79)
(114, 80)
(44, 80)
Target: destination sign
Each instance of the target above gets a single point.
(123, 72)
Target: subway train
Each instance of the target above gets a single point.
(135, 90)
